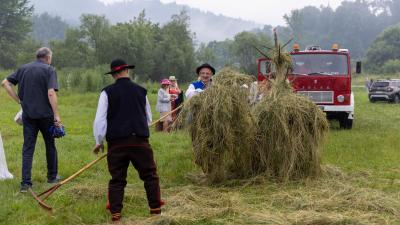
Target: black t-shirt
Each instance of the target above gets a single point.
(34, 80)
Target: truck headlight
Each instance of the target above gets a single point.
(340, 98)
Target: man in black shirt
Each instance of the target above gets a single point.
(37, 86)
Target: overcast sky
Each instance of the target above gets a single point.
(261, 11)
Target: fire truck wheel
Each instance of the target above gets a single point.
(345, 122)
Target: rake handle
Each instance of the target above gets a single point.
(83, 169)
(51, 190)
(56, 186)
(46, 191)
(169, 113)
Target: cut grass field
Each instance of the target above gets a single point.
(361, 185)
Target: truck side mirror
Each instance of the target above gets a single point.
(358, 67)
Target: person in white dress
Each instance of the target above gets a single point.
(4, 173)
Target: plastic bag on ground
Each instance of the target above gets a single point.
(18, 117)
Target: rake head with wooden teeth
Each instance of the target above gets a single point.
(39, 200)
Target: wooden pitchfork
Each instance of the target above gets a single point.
(51, 190)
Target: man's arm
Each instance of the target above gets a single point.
(10, 90)
(54, 105)
(100, 122)
(52, 87)
(148, 112)
(190, 92)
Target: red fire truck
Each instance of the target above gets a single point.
(324, 76)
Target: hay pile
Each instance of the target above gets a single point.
(222, 127)
(291, 129)
(280, 136)
(333, 199)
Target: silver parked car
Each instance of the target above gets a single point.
(385, 90)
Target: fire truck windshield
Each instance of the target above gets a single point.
(319, 64)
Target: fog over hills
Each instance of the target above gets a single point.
(207, 26)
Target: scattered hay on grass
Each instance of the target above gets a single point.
(86, 191)
(333, 199)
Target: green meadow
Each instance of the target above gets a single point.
(361, 184)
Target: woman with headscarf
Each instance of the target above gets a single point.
(164, 103)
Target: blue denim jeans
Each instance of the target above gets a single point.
(31, 130)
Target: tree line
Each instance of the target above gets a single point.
(366, 27)
(171, 49)
(158, 51)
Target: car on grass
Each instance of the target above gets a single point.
(385, 90)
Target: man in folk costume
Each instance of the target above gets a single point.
(205, 72)
(122, 118)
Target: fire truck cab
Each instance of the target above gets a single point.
(324, 76)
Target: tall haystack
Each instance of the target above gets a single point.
(291, 128)
(222, 127)
(280, 136)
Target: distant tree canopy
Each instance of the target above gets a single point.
(390, 8)
(175, 53)
(47, 27)
(73, 51)
(240, 52)
(384, 53)
(169, 49)
(353, 25)
(15, 24)
(156, 51)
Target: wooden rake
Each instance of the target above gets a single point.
(51, 190)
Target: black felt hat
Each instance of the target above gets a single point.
(205, 65)
(118, 65)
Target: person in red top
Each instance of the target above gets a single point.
(176, 94)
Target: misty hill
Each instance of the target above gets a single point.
(207, 26)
